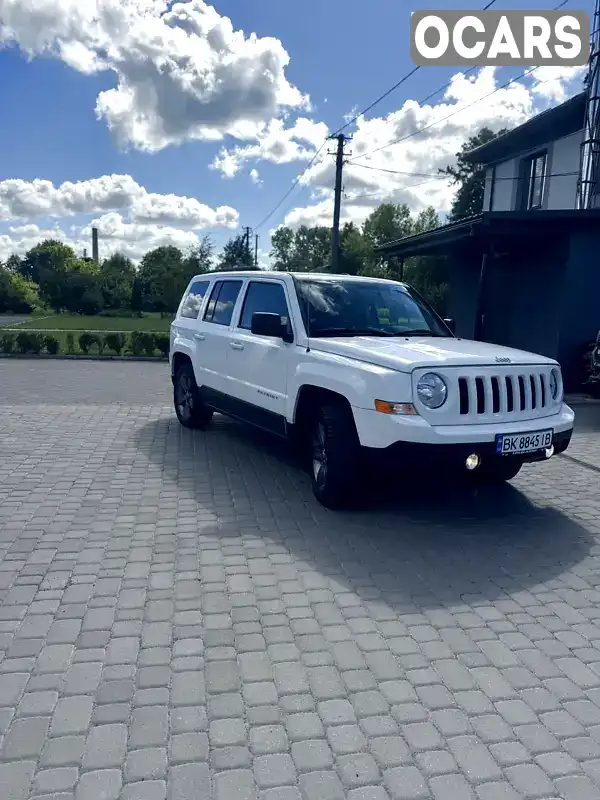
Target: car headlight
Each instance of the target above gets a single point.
(432, 390)
(554, 384)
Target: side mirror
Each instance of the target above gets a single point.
(451, 324)
(266, 324)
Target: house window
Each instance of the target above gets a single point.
(534, 174)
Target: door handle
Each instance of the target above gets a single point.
(200, 336)
(236, 345)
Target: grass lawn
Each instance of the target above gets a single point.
(74, 322)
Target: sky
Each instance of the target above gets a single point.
(160, 122)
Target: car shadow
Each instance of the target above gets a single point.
(411, 544)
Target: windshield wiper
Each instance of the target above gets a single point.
(351, 332)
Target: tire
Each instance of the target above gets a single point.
(500, 471)
(335, 457)
(191, 411)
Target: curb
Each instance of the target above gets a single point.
(48, 357)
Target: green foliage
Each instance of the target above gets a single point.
(52, 345)
(470, 178)
(142, 343)
(236, 253)
(70, 343)
(115, 342)
(87, 341)
(17, 294)
(29, 342)
(162, 343)
(7, 342)
(308, 249)
(117, 275)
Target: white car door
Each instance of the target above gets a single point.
(185, 326)
(212, 337)
(258, 365)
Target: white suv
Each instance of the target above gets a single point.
(351, 367)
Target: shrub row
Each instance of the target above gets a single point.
(138, 343)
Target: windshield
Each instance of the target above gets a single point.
(365, 308)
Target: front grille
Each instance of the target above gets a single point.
(507, 394)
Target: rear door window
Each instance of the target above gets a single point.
(222, 302)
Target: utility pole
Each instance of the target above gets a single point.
(247, 238)
(256, 249)
(335, 231)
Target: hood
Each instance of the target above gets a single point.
(406, 354)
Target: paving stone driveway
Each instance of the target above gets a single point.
(179, 619)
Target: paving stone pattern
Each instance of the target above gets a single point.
(180, 620)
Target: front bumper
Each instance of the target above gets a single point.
(453, 456)
(380, 431)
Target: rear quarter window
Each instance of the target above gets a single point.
(193, 300)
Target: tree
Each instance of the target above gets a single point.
(48, 257)
(17, 294)
(82, 292)
(282, 249)
(163, 277)
(48, 264)
(236, 253)
(117, 274)
(199, 259)
(469, 177)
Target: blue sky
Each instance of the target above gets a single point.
(342, 57)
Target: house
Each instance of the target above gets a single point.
(526, 271)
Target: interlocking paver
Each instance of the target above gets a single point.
(179, 618)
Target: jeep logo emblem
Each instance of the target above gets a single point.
(502, 360)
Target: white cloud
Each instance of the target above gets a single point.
(255, 177)
(182, 71)
(275, 143)
(115, 235)
(26, 199)
(23, 237)
(420, 155)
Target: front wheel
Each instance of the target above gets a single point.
(191, 411)
(500, 471)
(335, 457)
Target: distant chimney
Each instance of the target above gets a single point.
(95, 255)
(85, 254)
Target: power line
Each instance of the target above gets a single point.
(396, 85)
(449, 177)
(443, 119)
(465, 73)
(293, 186)
(382, 97)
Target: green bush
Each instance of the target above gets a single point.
(29, 342)
(115, 342)
(142, 343)
(52, 345)
(7, 343)
(87, 340)
(162, 342)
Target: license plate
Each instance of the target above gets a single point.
(513, 444)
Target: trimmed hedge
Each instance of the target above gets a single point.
(137, 343)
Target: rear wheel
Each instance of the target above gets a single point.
(499, 471)
(191, 411)
(335, 456)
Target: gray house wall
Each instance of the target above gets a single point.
(501, 185)
(579, 309)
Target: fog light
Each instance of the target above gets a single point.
(472, 461)
(550, 451)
